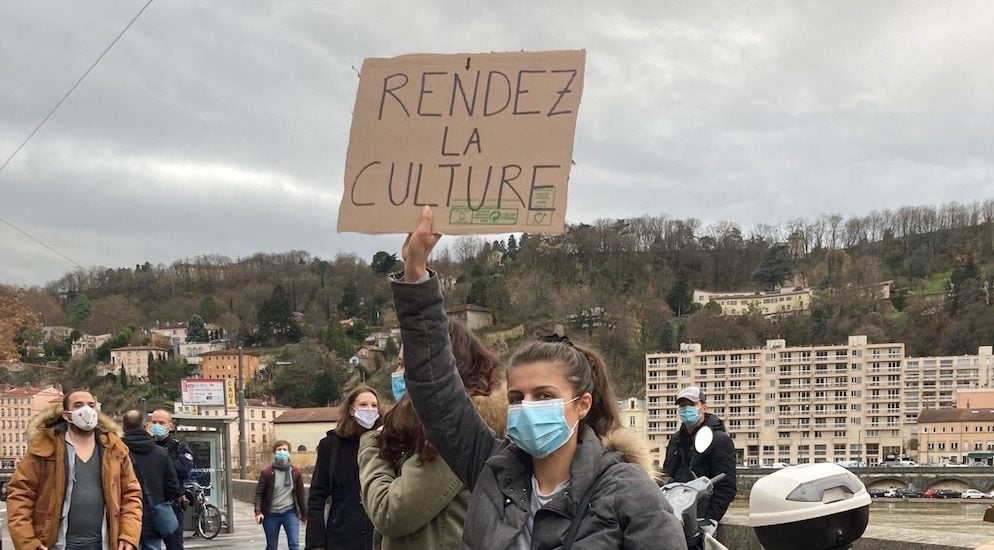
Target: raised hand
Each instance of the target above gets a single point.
(418, 246)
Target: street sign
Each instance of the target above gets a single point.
(202, 391)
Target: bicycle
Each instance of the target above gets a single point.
(206, 517)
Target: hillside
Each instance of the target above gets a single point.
(622, 284)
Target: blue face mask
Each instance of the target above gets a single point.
(282, 456)
(539, 428)
(689, 415)
(159, 431)
(398, 385)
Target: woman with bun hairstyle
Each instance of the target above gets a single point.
(336, 477)
(413, 498)
(566, 475)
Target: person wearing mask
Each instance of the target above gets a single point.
(567, 475)
(155, 474)
(162, 428)
(279, 499)
(683, 463)
(75, 489)
(336, 477)
(413, 498)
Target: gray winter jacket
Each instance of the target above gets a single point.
(627, 509)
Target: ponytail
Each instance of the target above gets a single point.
(604, 416)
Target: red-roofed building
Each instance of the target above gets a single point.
(305, 427)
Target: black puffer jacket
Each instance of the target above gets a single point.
(684, 463)
(627, 510)
(155, 471)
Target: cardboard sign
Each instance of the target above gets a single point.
(486, 140)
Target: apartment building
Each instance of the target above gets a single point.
(17, 406)
(857, 401)
(88, 344)
(135, 359)
(224, 364)
(769, 303)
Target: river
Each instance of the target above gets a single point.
(952, 517)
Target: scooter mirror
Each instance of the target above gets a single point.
(703, 439)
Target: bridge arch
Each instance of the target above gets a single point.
(885, 482)
(955, 483)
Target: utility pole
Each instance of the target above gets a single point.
(241, 416)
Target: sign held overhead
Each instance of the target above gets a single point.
(486, 140)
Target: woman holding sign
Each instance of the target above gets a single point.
(564, 445)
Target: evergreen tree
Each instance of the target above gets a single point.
(774, 268)
(680, 297)
(351, 304)
(80, 312)
(196, 330)
(383, 263)
(277, 324)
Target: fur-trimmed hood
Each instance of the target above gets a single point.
(45, 427)
(493, 409)
(632, 448)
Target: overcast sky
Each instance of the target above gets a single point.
(221, 126)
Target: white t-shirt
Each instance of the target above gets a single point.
(535, 503)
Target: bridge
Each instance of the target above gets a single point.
(886, 477)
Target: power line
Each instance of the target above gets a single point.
(39, 241)
(74, 86)
(49, 115)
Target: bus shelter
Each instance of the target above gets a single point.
(209, 437)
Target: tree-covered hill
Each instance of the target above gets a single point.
(623, 284)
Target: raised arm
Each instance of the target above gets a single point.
(451, 422)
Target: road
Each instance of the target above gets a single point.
(247, 533)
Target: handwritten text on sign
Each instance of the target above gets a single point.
(486, 140)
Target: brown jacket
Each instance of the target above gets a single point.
(36, 492)
(264, 491)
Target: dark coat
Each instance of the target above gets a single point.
(264, 491)
(684, 463)
(155, 473)
(181, 455)
(347, 525)
(627, 509)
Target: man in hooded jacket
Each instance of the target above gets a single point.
(155, 472)
(75, 487)
(683, 463)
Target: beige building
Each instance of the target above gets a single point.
(135, 359)
(768, 303)
(191, 351)
(857, 401)
(305, 427)
(956, 436)
(17, 406)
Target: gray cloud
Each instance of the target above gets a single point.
(221, 127)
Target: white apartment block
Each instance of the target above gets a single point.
(804, 404)
(88, 344)
(768, 303)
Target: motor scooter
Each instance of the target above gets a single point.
(812, 506)
(686, 497)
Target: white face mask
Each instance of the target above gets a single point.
(84, 418)
(366, 417)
